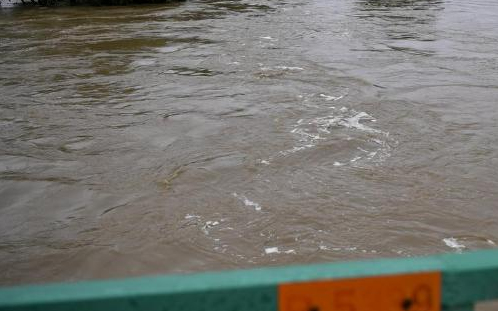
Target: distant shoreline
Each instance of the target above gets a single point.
(9, 3)
(20, 3)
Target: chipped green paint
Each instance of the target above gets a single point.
(467, 278)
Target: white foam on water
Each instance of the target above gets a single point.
(280, 69)
(306, 135)
(372, 154)
(453, 243)
(247, 202)
(377, 141)
(272, 250)
(188, 216)
(355, 159)
(265, 162)
(209, 224)
(330, 97)
(354, 122)
(311, 132)
(268, 38)
(350, 249)
(170, 49)
(289, 68)
(276, 250)
(348, 121)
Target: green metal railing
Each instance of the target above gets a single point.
(444, 282)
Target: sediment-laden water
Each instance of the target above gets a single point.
(210, 135)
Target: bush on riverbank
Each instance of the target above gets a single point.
(115, 2)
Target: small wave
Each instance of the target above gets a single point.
(289, 68)
(144, 62)
(468, 242)
(330, 97)
(453, 243)
(295, 149)
(269, 38)
(272, 250)
(276, 250)
(355, 159)
(348, 249)
(209, 224)
(313, 131)
(351, 120)
(276, 71)
(247, 202)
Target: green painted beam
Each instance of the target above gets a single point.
(470, 277)
(467, 278)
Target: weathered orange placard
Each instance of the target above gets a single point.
(406, 292)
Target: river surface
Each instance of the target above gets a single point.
(210, 135)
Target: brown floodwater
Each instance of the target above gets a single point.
(209, 135)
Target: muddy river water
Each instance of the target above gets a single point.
(210, 135)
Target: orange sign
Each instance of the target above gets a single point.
(406, 292)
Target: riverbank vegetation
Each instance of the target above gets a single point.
(52, 3)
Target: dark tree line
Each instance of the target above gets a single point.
(91, 2)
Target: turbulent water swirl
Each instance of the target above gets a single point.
(208, 135)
